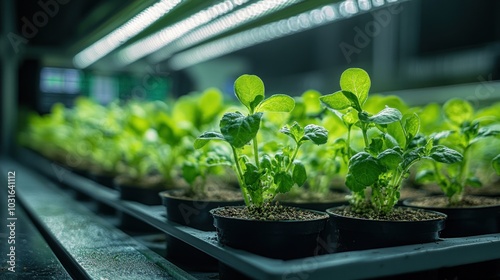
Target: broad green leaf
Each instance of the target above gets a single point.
(487, 132)
(390, 159)
(441, 135)
(350, 118)
(296, 132)
(190, 172)
(284, 182)
(335, 101)
(364, 171)
(444, 154)
(299, 174)
(357, 81)
(210, 104)
(473, 182)
(317, 134)
(412, 125)
(251, 175)
(276, 103)
(425, 176)
(386, 116)
(376, 146)
(311, 101)
(250, 90)
(266, 162)
(354, 100)
(238, 129)
(496, 164)
(410, 158)
(396, 131)
(458, 111)
(204, 138)
(389, 141)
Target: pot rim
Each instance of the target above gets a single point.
(407, 202)
(443, 216)
(325, 216)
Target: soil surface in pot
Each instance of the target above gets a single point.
(148, 182)
(211, 194)
(397, 215)
(489, 190)
(269, 213)
(442, 202)
(309, 196)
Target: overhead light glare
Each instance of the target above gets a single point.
(281, 28)
(223, 24)
(122, 34)
(165, 36)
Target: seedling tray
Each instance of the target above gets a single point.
(448, 252)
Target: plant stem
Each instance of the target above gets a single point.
(240, 176)
(293, 157)
(256, 152)
(365, 136)
(462, 176)
(349, 141)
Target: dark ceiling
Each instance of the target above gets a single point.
(55, 23)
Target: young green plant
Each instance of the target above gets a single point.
(262, 176)
(391, 145)
(465, 132)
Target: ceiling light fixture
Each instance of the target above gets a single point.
(165, 36)
(281, 28)
(218, 26)
(120, 35)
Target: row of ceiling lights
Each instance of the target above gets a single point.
(173, 41)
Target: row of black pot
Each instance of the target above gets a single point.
(295, 239)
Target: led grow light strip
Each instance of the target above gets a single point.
(165, 36)
(120, 35)
(225, 23)
(301, 22)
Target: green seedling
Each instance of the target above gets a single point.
(465, 131)
(261, 175)
(391, 144)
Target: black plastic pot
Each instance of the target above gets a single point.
(353, 234)
(273, 239)
(148, 196)
(467, 221)
(105, 180)
(195, 214)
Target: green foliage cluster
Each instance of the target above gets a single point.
(463, 129)
(375, 141)
(262, 175)
(391, 141)
(136, 139)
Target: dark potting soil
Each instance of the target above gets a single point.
(467, 201)
(269, 213)
(488, 190)
(309, 196)
(397, 215)
(211, 194)
(149, 182)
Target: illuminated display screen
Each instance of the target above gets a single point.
(60, 80)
